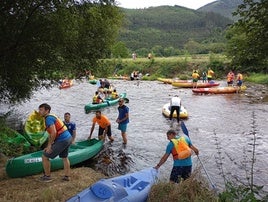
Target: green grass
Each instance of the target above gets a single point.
(258, 78)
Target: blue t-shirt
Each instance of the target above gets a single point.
(123, 110)
(50, 120)
(71, 127)
(180, 162)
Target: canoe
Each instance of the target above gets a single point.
(166, 112)
(220, 90)
(31, 164)
(119, 77)
(108, 102)
(189, 84)
(93, 81)
(67, 84)
(35, 129)
(170, 81)
(132, 187)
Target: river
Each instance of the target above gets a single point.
(221, 126)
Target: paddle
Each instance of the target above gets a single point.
(185, 131)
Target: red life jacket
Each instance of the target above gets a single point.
(181, 149)
(59, 125)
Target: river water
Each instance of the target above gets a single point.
(221, 126)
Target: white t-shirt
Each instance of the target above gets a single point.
(175, 101)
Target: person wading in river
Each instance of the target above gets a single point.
(180, 148)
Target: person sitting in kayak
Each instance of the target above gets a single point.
(97, 98)
(115, 94)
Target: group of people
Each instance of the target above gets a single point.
(102, 95)
(231, 78)
(206, 76)
(63, 133)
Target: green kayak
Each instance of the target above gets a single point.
(35, 129)
(108, 102)
(31, 164)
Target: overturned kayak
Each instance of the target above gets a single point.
(132, 187)
(35, 129)
(166, 112)
(108, 102)
(220, 90)
(31, 164)
(189, 84)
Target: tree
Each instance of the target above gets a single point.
(248, 37)
(40, 40)
(120, 50)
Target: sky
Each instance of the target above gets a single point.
(193, 4)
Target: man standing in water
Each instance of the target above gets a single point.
(123, 119)
(175, 105)
(180, 148)
(59, 141)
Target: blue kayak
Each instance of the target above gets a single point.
(132, 187)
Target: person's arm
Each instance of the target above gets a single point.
(162, 160)
(52, 136)
(91, 130)
(196, 151)
(74, 136)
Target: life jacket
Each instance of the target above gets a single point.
(114, 95)
(195, 75)
(95, 99)
(239, 77)
(59, 125)
(181, 149)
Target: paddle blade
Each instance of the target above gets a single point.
(184, 129)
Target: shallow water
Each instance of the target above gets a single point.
(219, 125)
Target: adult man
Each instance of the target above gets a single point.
(123, 119)
(104, 126)
(175, 105)
(210, 74)
(70, 125)
(58, 143)
(180, 148)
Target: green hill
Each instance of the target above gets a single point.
(170, 26)
(222, 7)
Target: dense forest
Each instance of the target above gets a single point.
(172, 26)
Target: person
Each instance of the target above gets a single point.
(175, 105)
(97, 98)
(195, 77)
(59, 141)
(70, 125)
(123, 119)
(114, 94)
(204, 77)
(230, 78)
(180, 148)
(239, 79)
(149, 56)
(210, 74)
(104, 127)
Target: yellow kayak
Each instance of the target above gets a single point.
(166, 112)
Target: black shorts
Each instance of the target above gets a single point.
(109, 132)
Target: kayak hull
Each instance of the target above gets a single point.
(220, 90)
(166, 112)
(90, 107)
(189, 84)
(131, 187)
(31, 164)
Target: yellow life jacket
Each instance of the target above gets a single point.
(181, 149)
(59, 125)
(95, 99)
(114, 95)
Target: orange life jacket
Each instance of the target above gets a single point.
(59, 125)
(181, 149)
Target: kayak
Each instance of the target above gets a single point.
(132, 187)
(93, 81)
(189, 84)
(170, 81)
(166, 112)
(31, 164)
(35, 129)
(108, 102)
(66, 84)
(220, 90)
(119, 77)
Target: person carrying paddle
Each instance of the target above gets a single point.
(59, 141)
(104, 127)
(180, 148)
(175, 105)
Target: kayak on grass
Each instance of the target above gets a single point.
(132, 187)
